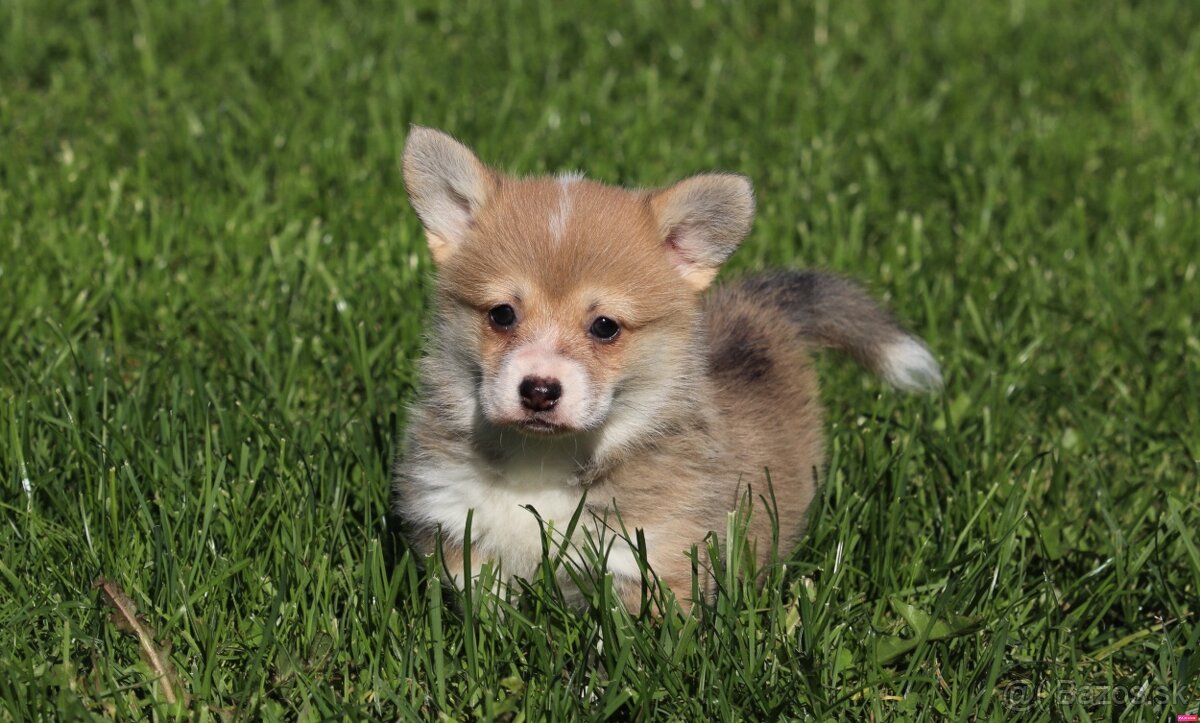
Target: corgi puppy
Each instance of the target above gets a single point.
(574, 352)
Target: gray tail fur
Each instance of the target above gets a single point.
(834, 312)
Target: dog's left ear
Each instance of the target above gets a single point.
(448, 187)
(702, 220)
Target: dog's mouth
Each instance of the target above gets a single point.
(536, 425)
(542, 427)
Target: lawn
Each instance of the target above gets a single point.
(213, 292)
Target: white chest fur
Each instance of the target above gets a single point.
(538, 475)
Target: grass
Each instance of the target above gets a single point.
(213, 293)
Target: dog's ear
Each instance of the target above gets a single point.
(447, 185)
(702, 220)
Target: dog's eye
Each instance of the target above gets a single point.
(605, 329)
(503, 316)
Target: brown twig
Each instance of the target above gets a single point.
(125, 617)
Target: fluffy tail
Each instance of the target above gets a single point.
(835, 312)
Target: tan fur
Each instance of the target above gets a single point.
(716, 390)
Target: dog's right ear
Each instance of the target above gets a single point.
(447, 185)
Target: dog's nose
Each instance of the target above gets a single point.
(539, 394)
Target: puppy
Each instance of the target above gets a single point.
(573, 352)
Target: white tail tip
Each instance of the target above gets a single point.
(908, 365)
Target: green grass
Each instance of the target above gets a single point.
(212, 293)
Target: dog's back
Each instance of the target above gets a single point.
(761, 330)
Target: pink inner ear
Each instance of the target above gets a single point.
(675, 252)
(673, 238)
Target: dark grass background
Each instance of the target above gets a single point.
(212, 292)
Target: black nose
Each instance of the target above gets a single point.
(539, 394)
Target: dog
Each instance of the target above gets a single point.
(575, 350)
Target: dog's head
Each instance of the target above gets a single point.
(572, 305)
